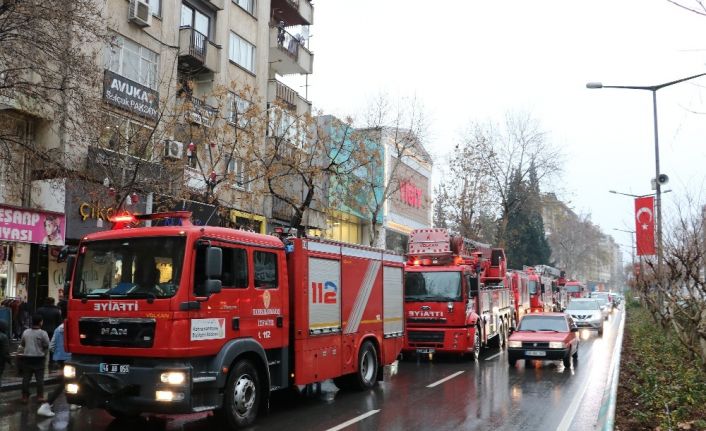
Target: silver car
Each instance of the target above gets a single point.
(605, 303)
(586, 313)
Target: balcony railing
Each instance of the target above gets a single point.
(288, 43)
(286, 94)
(194, 50)
(199, 112)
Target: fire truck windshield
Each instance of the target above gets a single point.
(573, 288)
(532, 287)
(129, 268)
(432, 286)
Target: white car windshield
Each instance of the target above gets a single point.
(588, 304)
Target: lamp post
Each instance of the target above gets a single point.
(658, 188)
(632, 247)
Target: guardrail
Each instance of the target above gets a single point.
(606, 415)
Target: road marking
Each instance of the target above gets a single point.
(445, 379)
(354, 420)
(574, 406)
(494, 356)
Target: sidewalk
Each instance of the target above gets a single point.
(12, 381)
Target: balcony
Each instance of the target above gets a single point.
(199, 112)
(281, 210)
(287, 55)
(278, 91)
(293, 12)
(217, 4)
(197, 53)
(102, 162)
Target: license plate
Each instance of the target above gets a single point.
(536, 353)
(113, 368)
(426, 350)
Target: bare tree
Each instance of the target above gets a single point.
(677, 296)
(48, 52)
(506, 154)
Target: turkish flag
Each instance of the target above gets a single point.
(645, 225)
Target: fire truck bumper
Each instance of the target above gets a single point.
(133, 388)
(437, 340)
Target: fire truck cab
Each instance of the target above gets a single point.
(456, 298)
(576, 289)
(182, 319)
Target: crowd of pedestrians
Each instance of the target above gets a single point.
(41, 346)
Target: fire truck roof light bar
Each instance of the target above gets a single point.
(121, 221)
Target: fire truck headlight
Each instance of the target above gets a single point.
(173, 377)
(72, 388)
(168, 396)
(556, 345)
(514, 344)
(69, 371)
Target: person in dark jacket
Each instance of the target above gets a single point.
(51, 315)
(4, 348)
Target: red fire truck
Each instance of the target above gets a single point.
(182, 318)
(553, 281)
(576, 289)
(520, 290)
(456, 297)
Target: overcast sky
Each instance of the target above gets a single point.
(475, 60)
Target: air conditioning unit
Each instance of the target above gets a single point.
(139, 13)
(174, 150)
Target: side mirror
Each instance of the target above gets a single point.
(70, 263)
(214, 262)
(513, 329)
(212, 286)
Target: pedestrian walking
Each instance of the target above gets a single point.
(33, 351)
(56, 347)
(4, 348)
(52, 318)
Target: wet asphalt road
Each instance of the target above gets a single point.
(444, 394)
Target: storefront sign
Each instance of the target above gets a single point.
(411, 195)
(31, 226)
(129, 95)
(95, 211)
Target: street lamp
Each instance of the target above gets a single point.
(636, 196)
(658, 186)
(632, 246)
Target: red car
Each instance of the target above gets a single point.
(544, 336)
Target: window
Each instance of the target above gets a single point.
(195, 19)
(235, 268)
(133, 61)
(237, 107)
(242, 52)
(236, 166)
(127, 136)
(155, 6)
(265, 270)
(248, 5)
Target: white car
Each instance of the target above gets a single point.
(586, 313)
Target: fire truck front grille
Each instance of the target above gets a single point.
(436, 337)
(110, 332)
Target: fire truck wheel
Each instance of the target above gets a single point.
(242, 396)
(367, 374)
(512, 361)
(476, 344)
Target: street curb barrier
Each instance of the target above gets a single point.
(606, 415)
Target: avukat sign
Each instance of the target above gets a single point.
(645, 225)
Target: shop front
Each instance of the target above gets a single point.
(28, 237)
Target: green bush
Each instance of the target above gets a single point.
(659, 384)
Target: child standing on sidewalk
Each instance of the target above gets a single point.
(34, 346)
(4, 348)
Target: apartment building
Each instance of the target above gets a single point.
(176, 81)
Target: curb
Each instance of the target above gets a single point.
(606, 415)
